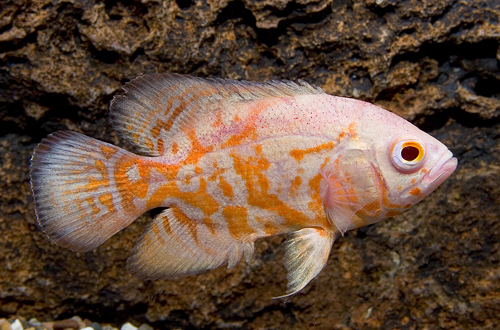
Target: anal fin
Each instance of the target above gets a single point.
(174, 245)
(306, 255)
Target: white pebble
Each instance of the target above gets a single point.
(145, 326)
(34, 322)
(126, 326)
(78, 319)
(87, 328)
(16, 325)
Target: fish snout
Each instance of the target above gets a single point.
(443, 168)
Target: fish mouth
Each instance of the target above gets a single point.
(444, 167)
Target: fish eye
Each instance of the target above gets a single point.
(407, 153)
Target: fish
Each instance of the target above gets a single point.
(231, 162)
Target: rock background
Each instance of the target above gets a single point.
(434, 62)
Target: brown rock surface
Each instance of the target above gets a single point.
(435, 62)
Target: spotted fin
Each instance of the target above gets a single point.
(77, 202)
(173, 245)
(156, 106)
(306, 254)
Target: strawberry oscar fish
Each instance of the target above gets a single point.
(231, 162)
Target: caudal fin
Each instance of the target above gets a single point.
(77, 196)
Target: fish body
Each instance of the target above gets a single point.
(232, 162)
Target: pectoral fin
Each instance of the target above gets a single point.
(345, 188)
(306, 254)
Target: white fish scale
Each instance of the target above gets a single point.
(187, 179)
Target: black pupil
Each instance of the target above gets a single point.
(409, 153)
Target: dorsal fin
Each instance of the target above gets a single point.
(154, 105)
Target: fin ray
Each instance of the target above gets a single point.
(306, 254)
(155, 106)
(75, 198)
(173, 245)
(344, 188)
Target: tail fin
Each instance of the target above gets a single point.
(77, 197)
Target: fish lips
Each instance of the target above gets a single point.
(443, 168)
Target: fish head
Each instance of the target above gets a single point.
(385, 166)
(407, 165)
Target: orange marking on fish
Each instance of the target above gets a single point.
(156, 232)
(251, 171)
(237, 222)
(415, 191)
(185, 101)
(93, 207)
(218, 120)
(392, 213)
(108, 151)
(385, 198)
(107, 200)
(128, 190)
(141, 128)
(372, 209)
(188, 223)
(387, 202)
(215, 174)
(155, 130)
(269, 228)
(170, 101)
(248, 131)
(135, 137)
(93, 183)
(352, 129)
(226, 188)
(413, 180)
(299, 154)
(166, 225)
(424, 170)
(197, 150)
(352, 194)
(201, 198)
(147, 239)
(192, 226)
(160, 147)
(175, 148)
(209, 223)
(340, 192)
(155, 228)
(295, 185)
(316, 203)
(149, 143)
